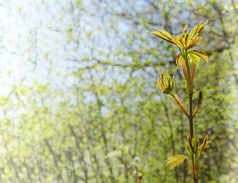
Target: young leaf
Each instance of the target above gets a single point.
(163, 35)
(194, 58)
(196, 55)
(204, 145)
(198, 29)
(183, 41)
(176, 160)
(185, 30)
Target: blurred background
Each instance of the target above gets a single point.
(79, 98)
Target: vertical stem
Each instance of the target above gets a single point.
(191, 131)
(190, 117)
(191, 114)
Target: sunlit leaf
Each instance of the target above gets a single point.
(200, 54)
(176, 160)
(185, 42)
(166, 84)
(194, 56)
(204, 145)
(163, 35)
(185, 30)
(198, 29)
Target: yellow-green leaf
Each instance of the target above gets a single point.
(163, 35)
(198, 29)
(185, 30)
(201, 54)
(204, 145)
(185, 42)
(196, 56)
(176, 160)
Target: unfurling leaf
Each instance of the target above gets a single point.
(166, 84)
(190, 142)
(194, 56)
(198, 29)
(185, 30)
(204, 145)
(188, 148)
(176, 160)
(163, 35)
(185, 40)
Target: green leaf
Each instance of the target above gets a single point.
(185, 30)
(196, 56)
(176, 160)
(200, 54)
(204, 145)
(165, 35)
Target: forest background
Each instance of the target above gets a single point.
(79, 98)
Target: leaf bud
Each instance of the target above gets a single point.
(166, 84)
